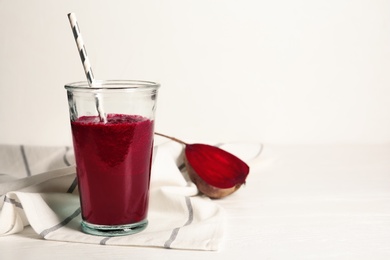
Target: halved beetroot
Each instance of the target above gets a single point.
(216, 172)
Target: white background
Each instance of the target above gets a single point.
(279, 71)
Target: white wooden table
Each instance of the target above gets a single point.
(300, 202)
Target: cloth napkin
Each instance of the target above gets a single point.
(38, 188)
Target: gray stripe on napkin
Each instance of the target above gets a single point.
(104, 240)
(72, 186)
(259, 152)
(67, 163)
(182, 167)
(61, 224)
(25, 161)
(12, 201)
(174, 233)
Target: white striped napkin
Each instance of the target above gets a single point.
(178, 218)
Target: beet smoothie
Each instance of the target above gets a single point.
(113, 167)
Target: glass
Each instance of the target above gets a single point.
(113, 157)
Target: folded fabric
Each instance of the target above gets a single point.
(39, 188)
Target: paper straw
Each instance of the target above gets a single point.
(86, 64)
(81, 47)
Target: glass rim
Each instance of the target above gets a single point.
(113, 85)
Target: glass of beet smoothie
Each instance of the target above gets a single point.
(113, 151)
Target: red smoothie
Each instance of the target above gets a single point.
(113, 167)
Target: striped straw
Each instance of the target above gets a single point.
(86, 64)
(81, 47)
